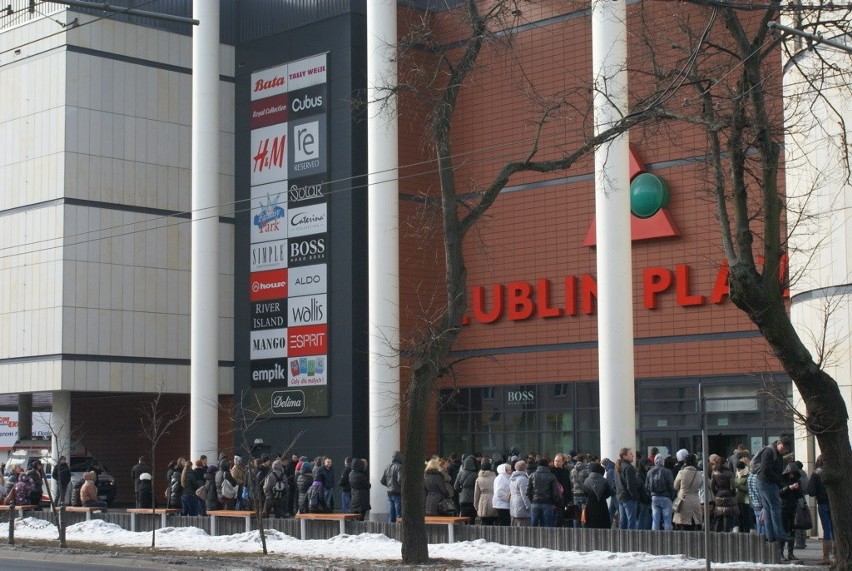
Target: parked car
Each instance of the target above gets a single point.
(79, 465)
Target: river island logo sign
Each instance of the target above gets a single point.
(649, 197)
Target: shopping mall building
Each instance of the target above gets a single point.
(96, 115)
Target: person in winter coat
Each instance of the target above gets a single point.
(816, 489)
(22, 489)
(238, 473)
(173, 478)
(144, 491)
(327, 470)
(726, 510)
(200, 471)
(687, 483)
(464, 486)
(359, 485)
(303, 484)
(791, 492)
(315, 498)
(643, 505)
(500, 502)
(89, 492)
(578, 475)
(660, 484)
(627, 490)
(62, 476)
(36, 475)
(141, 467)
(189, 484)
(562, 470)
(392, 481)
(519, 503)
(211, 503)
(597, 489)
(741, 493)
(276, 491)
(543, 492)
(609, 474)
(483, 494)
(434, 488)
(343, 484)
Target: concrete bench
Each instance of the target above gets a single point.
(25, 508)
(229, 513)
(342, 518)
(162, 512)
(449, 521)
(87, 510)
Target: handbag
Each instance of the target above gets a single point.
(446, 507)
(677, 504)
(201, 492)
(803, 518)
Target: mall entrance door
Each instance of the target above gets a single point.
(670, 442)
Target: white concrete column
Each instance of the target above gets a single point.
(60, 428)
(383, 230)
(612, 212)
(204, 342)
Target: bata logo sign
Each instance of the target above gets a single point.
(271, 284)
(269, 82)
(287, 402)
(521, 300)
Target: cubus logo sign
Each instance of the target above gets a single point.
(649, 197)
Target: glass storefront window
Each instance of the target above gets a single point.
(518, 421)
(553, 442)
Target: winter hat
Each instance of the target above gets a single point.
(486, 465)
(212, 469)
(237, 459)
(681, 454)
(145, 476)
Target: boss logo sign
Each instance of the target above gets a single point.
(287, 402)
(517, 397)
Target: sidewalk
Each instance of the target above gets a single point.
(811, 555)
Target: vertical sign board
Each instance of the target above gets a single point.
(288, 286)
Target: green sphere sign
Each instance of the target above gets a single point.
(648, 194)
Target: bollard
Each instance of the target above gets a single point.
(12, 522)
(62, 542)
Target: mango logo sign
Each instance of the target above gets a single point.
(649, 197)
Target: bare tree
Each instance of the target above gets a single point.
(156, 423)
(731, 89)
(246, 415)
(432, 77)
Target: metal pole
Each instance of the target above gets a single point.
(128, 11)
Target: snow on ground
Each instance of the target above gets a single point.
(358, 549)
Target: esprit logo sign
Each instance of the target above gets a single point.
(649, 197)
(307, 340)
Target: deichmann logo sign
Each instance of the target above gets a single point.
(268, 285)
(307, 220)
(287, 402)
(307, 251)
(268, 256)
(269, 314)
(268, 344)
(307, 280)
(307, 340)
(308, 310)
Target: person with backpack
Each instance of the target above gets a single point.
(768, 467)
(816, 489)
(578, 476)
(315, 497)
(276, 490)
(359, 484)
(228, 491)
(660, 485)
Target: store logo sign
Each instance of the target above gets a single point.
(287, 402)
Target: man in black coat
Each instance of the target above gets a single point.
(768, 467)
(543, 492)
(140, 468)
(62, 476)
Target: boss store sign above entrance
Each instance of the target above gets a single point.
(289, 272)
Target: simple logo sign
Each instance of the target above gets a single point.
(287, 402)
(268, 256)
(649, 197)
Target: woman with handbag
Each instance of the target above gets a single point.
(688, 514)
(437, 498)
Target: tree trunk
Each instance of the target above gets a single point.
(827, 416)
